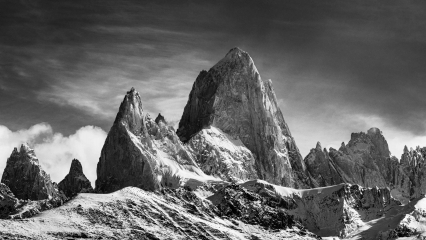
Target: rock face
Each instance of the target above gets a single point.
(321, 168)
(233, 98)
(412, 170)
(142, 153)
(75, 181)
(332, 211)
(366, 161)
(8, 201)
(25, 177)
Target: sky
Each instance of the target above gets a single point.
(337, 67)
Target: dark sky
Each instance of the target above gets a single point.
(337, 66)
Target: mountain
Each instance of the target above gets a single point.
(25, 177)
(75, 181)
(141, 152)
(26, 189)
(366, 161)
(231, 103)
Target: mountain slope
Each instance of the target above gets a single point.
(133, 213)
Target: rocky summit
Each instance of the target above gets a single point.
(144, 153)
(25, 177)
(232, 99)
(75, 181)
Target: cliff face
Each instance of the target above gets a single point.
(143, 153)
(233, 98)
(413, 166)
(75, 181)
(25, 177)
(322, 168)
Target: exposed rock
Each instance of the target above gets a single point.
(139, 152)
(25, 177)
(160, 118)
(13, 208)
(75, 181)
(233, 98)
(332, 211)
(8, 201)
(413, 166)
(132, 213)
(366, 161)
(321, 167)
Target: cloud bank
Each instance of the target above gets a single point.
(54, 150)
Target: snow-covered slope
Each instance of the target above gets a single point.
(220, 155)
(336, 210)
(132, 213)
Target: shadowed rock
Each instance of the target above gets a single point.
(25, 177)
(160, 118)
(75, 181)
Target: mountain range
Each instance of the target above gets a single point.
(231, 170)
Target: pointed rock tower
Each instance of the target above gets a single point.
(232, 98)
(322, 170)
(75, 181)
(25, 177)
(141, 153)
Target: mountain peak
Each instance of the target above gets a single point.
(374, 131)
(75, 181)
(318, 147)
(76, 166)
(131, 113)
(232, 97)
(236, 51)
(160, 118)
(236, 60)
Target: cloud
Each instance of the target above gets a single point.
(54, 150)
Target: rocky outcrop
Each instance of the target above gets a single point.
(132, 213)
(413, 166)
(142, 153)
(331, 211)
(8, 201)
(25, 177)
(366, 161)
(233, 98)
(160, 118)
(321, 168)
(75, 181)
(14, 208)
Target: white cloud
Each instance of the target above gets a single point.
(55, 151)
